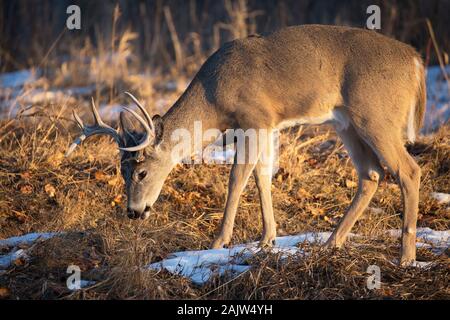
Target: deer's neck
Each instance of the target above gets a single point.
(187, 121)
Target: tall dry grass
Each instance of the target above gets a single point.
(171, 32)
(83, 196)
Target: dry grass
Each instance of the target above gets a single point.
(42, 191)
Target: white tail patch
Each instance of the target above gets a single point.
(418, 69)
(411, 130)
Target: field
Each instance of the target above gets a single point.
(42, 191)
(82, 197)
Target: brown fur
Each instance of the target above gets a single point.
(421, 102)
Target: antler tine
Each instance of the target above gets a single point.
(78, 119)
(146, 140)
(99, 127)
(98, 120)
(146, 115)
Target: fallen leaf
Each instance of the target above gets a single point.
(50, 190)
(26, 189)
(4, 293)
(55, 159)
(19, 262)
(114, 181)
(20, 216)
(117, 200)
(312, 162)
(327, 219)
(101, 176)
(25, 175)
(350, 183)
(280, 178)
(317, 212)
(303, 193)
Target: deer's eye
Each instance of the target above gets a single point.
(141, 174)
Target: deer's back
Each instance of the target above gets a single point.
(315, 66)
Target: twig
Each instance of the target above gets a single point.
(438, 52)
(175, 40)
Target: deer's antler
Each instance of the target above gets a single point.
(146, 115)
(100, 127)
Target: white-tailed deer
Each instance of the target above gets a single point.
(370, 87)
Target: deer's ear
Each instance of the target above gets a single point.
(128, 129)
(159, 129)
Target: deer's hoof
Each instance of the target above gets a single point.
(408, 262)
(267, 243)
(220, 243)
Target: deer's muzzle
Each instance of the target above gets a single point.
(137, 214)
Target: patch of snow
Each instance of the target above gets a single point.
(27, 239)
(79, 91)
(83, 284)
(422, 264)
(18, 78)
(435, 238)
(108, 111)
(201, 265)
(438, 99)
(376, 210)
(176, 85)
(44, 96)
(8, 259)
(442, 198)
(219, 156)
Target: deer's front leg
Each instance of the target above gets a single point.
(263, 178)
(238, 180)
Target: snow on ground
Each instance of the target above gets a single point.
(427, 236)
(26, 239)
(438, 99)
(8, 259)
(201, 265)
(18, 78)
(442, 198)
(15, 253)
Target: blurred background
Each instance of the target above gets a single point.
(153, 48)
(179, 33)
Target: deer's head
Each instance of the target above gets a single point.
(144, 165)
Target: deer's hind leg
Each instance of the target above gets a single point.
(370, 172)
(390, 148)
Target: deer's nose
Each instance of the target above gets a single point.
(136, 214)
(132, 214)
